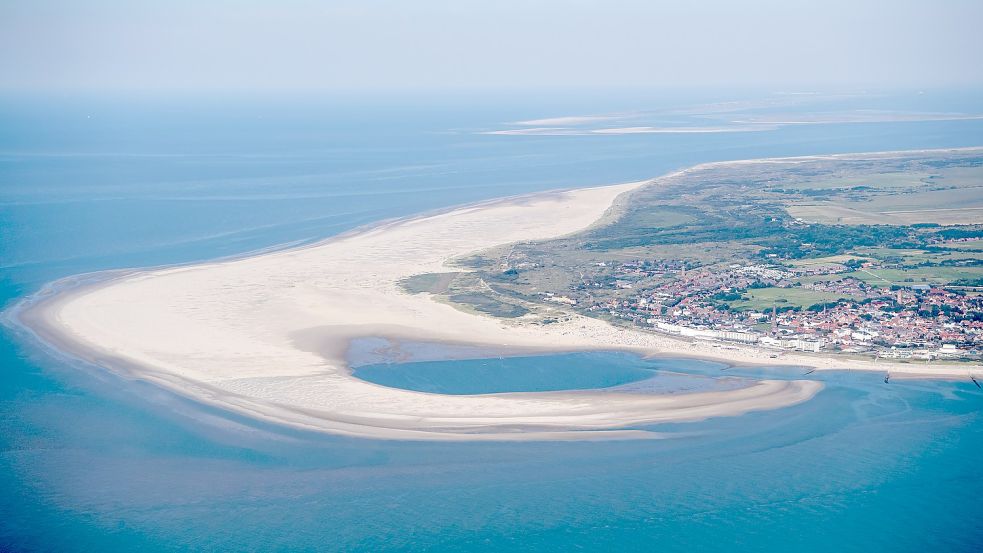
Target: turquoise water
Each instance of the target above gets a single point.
(616, 372)
(91, 462)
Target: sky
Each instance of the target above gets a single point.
(306, 45)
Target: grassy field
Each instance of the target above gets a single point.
(975, 245)
(919, 275)
(882, 181)
(946, 196)
(945, 216)
(916, 257)
(877, 213)
(765, 298)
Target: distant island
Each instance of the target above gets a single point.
(803, 262)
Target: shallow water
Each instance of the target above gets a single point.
(90, 461)
(616, 372)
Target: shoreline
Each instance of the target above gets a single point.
(266, 334)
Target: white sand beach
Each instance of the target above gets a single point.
(267, 335)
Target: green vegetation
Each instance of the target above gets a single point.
(488, 304)
(465, 290)
(823, 240)
(924, 193)
(934, 276)
(762, 299)
(720, 217)
(956, 233)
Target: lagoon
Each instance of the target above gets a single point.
(615, 371)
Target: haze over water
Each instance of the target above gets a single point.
(90, 461)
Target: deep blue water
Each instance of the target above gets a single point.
(91, 462)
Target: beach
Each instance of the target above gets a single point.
(267, 335)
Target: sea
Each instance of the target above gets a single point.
(90, 461)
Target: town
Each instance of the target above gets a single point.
(916, 321)
(827, 256)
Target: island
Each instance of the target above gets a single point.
(807, 262)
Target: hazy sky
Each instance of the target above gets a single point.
(304, 44)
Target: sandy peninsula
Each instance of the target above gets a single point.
(267, 335)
